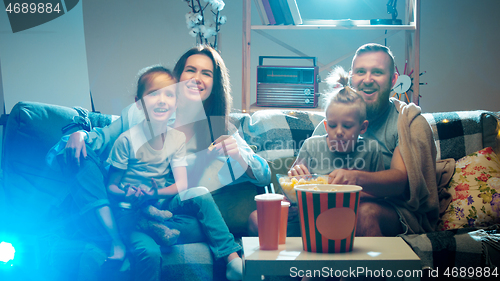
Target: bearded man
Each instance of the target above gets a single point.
(402, 199)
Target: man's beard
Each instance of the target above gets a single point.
(376, 108)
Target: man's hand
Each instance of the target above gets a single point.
(342, 176)
(75, 147)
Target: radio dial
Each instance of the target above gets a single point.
(308, 92)
(307, 101)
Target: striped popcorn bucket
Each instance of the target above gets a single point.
(328, 216)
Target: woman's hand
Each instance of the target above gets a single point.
(298, 170)
(342, 176)
(75, 147)
(227, 146)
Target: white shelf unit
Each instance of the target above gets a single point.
(411, 27)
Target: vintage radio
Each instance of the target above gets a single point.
(287, 86)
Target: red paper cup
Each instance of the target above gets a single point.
(328, 216)
(284, 221)
(268, 219)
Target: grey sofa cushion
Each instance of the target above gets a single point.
(192, 262)
(277, 133)
(460, 133)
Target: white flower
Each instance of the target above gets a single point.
(200, 23)
(194, 31)
(494, 182)
(207, 31)
(210, 32)
(217, 4)
(198, 17)
(190, 24)
(464, 162)
(482, 218)
(193, 17)
(222, 19)
(203, 29)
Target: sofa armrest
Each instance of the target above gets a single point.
(32, 129)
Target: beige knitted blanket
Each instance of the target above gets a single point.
(419, 205)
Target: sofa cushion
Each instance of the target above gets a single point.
(191, 262)
(460, 133)
(491, 126)
(474, 189)
(277, 133)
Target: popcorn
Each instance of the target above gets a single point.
(288, 183)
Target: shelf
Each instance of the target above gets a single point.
(332, 26)
(412, 43)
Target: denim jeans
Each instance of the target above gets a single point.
(198, 219)
(88, 193)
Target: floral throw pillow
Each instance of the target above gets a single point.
(475, 188)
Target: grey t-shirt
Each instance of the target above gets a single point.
(384, 129)
(319, 159)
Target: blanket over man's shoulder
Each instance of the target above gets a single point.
(419, 205)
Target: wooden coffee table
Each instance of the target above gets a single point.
(371, 256)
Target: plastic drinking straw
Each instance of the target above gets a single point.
(267, 191)
(272, 188)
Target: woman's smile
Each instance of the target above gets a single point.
(198, 72)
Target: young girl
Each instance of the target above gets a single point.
(143, 155)
(156, 97)
(342, 147)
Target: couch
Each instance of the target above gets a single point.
(35, 197)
